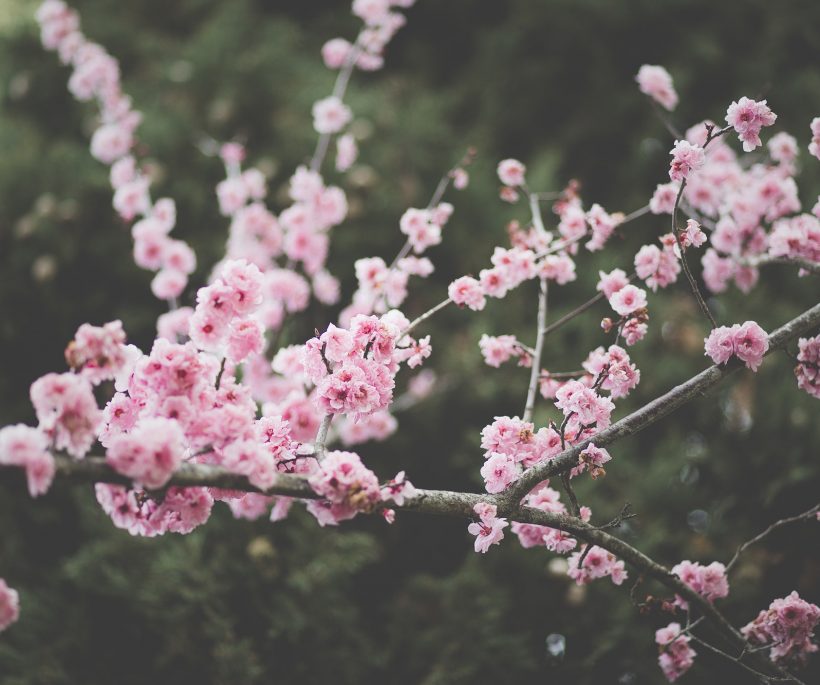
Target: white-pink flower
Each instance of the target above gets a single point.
(656, 82)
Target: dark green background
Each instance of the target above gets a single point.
(548, 82)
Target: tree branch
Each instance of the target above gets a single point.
(659, 407)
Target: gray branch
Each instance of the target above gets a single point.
(659, 407)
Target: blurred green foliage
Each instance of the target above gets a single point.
(550, 83)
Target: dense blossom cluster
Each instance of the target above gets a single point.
(787, 626)
(676, 656)
(216, 389)
(748, 342)
(708, 581)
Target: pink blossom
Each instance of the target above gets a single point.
(693, 235)
(330, 115)
(245, 338)
(150, 453)
(460, 178)
(559, 268)
(750, 344)
(611, 282)
(783, 147)
(656, 82)
(467, 291)
(788, 626)
(676, 656)
(110, 142)
(97, 352)
(814, 146)
(511, 172)
(9, 605)
(67, 411)
(808, 365)
(489, 529)
(168, 284)
(598, 563)
(656, 267)
(347, 484)
(346, 152)
(592, 459)
(708, 581)
(663, 199)
(720, 344)
(27, 448)
(399, 489)
(686, 158)
(335, 52)
(498, 472)
(499, 349)
(747, 117)
(628, 299)
(716, 270)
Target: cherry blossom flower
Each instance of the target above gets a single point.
(656, 82)
(747, 117)
(489, 529)
(9, 605)
(676, 656)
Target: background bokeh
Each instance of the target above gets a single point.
(550, 83)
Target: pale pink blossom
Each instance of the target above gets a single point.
(628, 300)
(511, 172)
(747, 117)
(27, 448)
(489, 529)
(788, 626)
(686, 159)
(676, 656)
(9, 605)
(467, 291)
(656, 82)
(330, 115)
(808, 365)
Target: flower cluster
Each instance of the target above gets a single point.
(497, 349)
(354, 369)
(708, 581)
(808, 365)
(597, 563)
(96, 76)
(27, 448)
(489, 529)
(585, 411)
(748, 342)
(224, 321)
(347, 487)
(676, 656)
(149, 453)
(788, 626)
(686, 159)
(509, 444)
(658, 266)
(546, 499)
(67, 411)
(99, 352)
(747, 117)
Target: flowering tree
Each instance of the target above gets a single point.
(218, 410)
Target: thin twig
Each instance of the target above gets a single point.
(809, 515)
